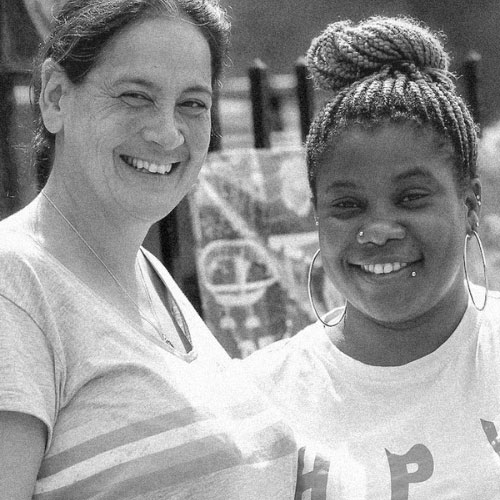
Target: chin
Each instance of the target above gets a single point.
(391, 313)
(150, 213)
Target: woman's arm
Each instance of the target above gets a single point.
(22, 443)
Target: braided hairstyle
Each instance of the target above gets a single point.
(387, 69)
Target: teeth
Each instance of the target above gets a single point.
(145, 165)
(384, 268)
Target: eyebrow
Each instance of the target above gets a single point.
(150, 85)
(414, 172)
(341, 185)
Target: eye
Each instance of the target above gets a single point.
(413, 197)
(344, 208)
(194, 106)
(136, 99)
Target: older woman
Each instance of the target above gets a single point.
(397, 394)
(111, 385)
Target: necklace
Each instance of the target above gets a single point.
(183, 329)
(173, 310)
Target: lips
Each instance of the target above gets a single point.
(147, 166)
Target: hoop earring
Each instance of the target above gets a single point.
(311, 300)
(467, 238)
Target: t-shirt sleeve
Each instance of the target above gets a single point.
(27, 366)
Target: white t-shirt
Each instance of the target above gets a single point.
(127, 416)
(424, 430)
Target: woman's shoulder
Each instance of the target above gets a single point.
(494, 296)
(311, 340)
(18, 249)
(15, 245)
(24, 265)
(485, 322)
(492, 309)
(293, 351)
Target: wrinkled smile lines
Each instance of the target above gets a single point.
(154, 168)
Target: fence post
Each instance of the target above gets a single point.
(8, 169)
(304, 97)
(259, 95)
(470, 70)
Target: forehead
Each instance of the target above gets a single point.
(165, 50)
(385, 152)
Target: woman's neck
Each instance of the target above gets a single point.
(76, 233)
(393, 344)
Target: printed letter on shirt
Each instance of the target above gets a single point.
(420, 458)
(312, 475)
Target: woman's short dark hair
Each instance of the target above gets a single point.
(387, 69)
(81, 31)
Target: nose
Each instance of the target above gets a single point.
(163, 129)
(379, 232)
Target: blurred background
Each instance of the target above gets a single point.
(241, 244)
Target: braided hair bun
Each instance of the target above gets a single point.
(345, 53)
(387, 70)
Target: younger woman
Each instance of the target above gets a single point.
(396, 395)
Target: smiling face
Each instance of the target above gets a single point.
(133, 136)
(394, 184)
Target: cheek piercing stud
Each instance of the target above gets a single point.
(413, 274)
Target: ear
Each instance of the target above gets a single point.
(55, 85)
(473, 203)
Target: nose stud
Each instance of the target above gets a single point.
(360, 236)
